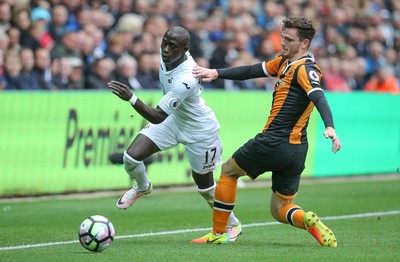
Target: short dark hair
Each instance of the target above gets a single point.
(304, 26)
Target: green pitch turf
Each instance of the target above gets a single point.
(364, 215)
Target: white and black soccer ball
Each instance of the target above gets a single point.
(96, 233)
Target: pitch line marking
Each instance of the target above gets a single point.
(363, 215)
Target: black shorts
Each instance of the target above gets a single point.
(286, 161)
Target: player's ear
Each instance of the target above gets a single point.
(186, 48)
(306, 43)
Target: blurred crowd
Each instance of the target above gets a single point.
(83, 44)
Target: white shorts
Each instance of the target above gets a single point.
(204, 154)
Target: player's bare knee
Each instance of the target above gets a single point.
(203, 180)
(274, 213)
(229, 169)
(278, 201)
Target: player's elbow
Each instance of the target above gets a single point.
(157, 121)
(159, 117)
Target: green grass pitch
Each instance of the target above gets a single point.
(363, 213)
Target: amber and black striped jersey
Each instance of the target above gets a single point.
(291, 106)
(297, 90)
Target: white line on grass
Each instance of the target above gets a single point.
(363, 215)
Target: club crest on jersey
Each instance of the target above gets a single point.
(278, 83)
(313, 75)
(174, 103)
(170, 80)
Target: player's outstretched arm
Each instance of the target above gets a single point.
(233, 73)
(331, 133)
(153, 115)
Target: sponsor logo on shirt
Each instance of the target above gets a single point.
(208, 166)
(186, 85)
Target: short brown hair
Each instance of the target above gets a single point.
(304, 26)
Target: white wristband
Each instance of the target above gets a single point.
(133, 99)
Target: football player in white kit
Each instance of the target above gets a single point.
(181, 117)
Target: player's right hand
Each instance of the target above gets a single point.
(331, 133)
(206, 75)
(121, 90)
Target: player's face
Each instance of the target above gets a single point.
(172, 50)
(292, 47)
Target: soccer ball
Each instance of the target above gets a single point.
(96, 233)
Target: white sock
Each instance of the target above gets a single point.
(136, 170)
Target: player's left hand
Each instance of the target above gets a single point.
(331, 133)
(206, 74)
(121, 90)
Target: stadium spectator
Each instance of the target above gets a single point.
(360, 76)
(266, 50)
(67, 47)
(223, 55)
(73, 7)
(86, 44)
(4, 41)
(103, 72)
(12, 70)
(100, 18)
(21, 19)
(58, 23)
(42, 68)
(32, 38)
(126, 6)
(41, 18)
(383, 81)
(5, 16)
(100, 44)
(111, 7)
(243, 43)
(40, 13)
(168, 9)
(145, 43)
(145, 75)
(61, 71)
(189, 20)
(37, 36)
(127, 72)
(27, 79)
(131, 24)
(128, 27)
(155, 67)
(333, 78)
(76, 77)
(156, 25)
(14, 36)
(86, 16)
(115, 46)
(375, 57)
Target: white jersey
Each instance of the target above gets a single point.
(182, 100)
